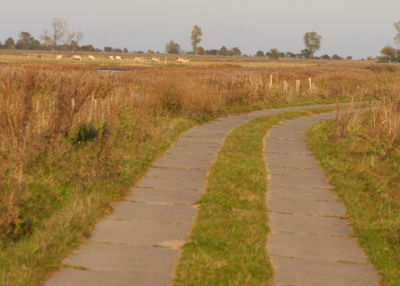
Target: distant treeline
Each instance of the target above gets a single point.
(27, 42)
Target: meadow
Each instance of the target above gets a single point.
(74, 140)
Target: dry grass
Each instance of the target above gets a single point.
(68, 129)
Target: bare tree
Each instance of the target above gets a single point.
(196, 37)
(72, 40)
(312, 42)
(57, 33)
(397, 37)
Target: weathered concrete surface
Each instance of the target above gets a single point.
(124, 249)
(310, 241)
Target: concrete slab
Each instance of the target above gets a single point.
(139, 232)
(74, 277)
(302, 193)
(309, 225)
(158, 213)
(305, 272)
(124, 258)
(179, 173)
(306, 207)
(291, 161)
(316, 181)
(282, 170)
(183, 163)
(164, 196)
(322, 248)
(173, 183)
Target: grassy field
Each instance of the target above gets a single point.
(73, 140)
(228, 242)
(361, 155)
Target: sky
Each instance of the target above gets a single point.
(357, 28)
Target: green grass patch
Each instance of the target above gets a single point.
(71, 189)
(227, 245)
(367, 178)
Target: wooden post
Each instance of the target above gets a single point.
(270, 82)
(285, 86)
(310, 84)
(73, 104)
(298, 85)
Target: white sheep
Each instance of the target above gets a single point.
(91, 58)
(182, 60)
(111, 58)
(156, 60)
(76, 58)
(140, 60)
(59, 57)
(118, 58)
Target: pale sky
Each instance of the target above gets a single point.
(359, 28)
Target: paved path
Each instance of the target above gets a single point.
(311, 242)
(139, 244)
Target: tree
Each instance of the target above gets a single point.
(87, 48)
(9, 44)
(172, 48)
(260, 54)
(305, 54)
(56, 35)
(397, 37)
(200, 51)
(291, 55)
(196, 37)
(212, 52)
(236, 51)
(27, 42)
(72, 40)
(325, 57)
(336, 57)
(388, 53)
(312, 41)
(59, 34)
(108, 49)
(223, 51)
(125, 50)
(273, 54)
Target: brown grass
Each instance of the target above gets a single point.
(54, 107)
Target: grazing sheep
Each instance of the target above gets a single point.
(91, 58)
(155, 60)
(118, 58)
(140, 60)
(111, 58)
(59, 57)
(182, 60)
(76, 58)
